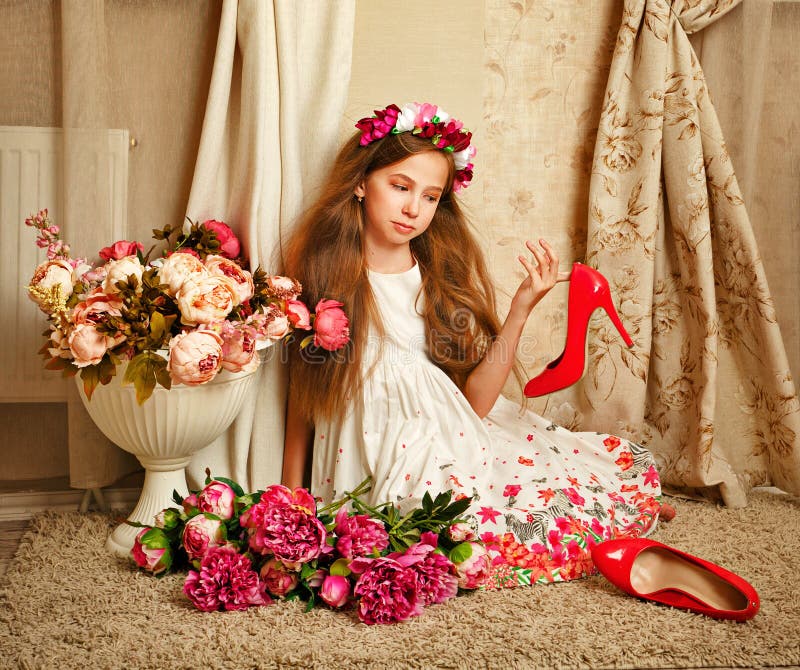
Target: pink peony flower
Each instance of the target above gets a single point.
(120, 249)
(178, 268)
(335, 590)
(277, 579)
(201, 534)
(291, 533)
(278, 494)
(88, 345)
(190, 503)
(273, 324)
(298, 314)
(359, 535)
(217, 499)
(474, 571)
(204, 300)
(194, 357)
(228, 242)
(151, 551)
(225, 581)
(239, 351)
(331, 325)
(220, 266)
(387, 590)
(436, 579)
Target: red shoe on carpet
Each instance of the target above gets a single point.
(653, 571)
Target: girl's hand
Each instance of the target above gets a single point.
(541, 277)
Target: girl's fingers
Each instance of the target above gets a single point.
(564, 276)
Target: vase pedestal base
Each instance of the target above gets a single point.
(162, 477)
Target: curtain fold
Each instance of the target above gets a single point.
(708, 383)
(277, 95)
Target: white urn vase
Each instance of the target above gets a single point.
(163, 433)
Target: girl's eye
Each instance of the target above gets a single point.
(399, 187)
(432, 198)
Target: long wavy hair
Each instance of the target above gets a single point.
(325, 252)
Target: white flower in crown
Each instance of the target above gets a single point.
(464, 158)
(405, 120)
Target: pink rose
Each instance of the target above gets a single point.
(228, 242)
(201, 534)
(225, 581)
(387, 591)
(335, 590)
(284, 288)
(49, 275)
(462, 532)
(298, 314)
(95, 306)
(120, 250)
(474, 571)
(359, 535)
(217, 499)
(204, 300)
(88, 345)
(151, 551)
(331, 325)
(194, 357)
(277, 579)
(219, 266)
(119, 270)
(239, 351)
(190, 503)
(178, 268)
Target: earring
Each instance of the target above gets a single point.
(360, 198)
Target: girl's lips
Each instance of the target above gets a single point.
(402, 227)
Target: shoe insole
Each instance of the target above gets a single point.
(656, 569)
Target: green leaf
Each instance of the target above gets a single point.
(157, 326)
(177, 497)
(90, 377)
(236, 488)
(143, 372)
(461, 552)
(340, 567)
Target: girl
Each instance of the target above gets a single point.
(415, 400)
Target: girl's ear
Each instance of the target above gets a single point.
(359, 190)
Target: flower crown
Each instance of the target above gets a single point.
(429, 121)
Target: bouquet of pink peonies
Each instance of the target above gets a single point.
(245, 549)
(177, 319)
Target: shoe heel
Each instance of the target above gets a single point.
(608, 306)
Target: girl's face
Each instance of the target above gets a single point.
(401, 199)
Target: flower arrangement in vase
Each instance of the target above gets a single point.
(179, 318)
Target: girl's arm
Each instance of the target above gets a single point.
(486, 381)
(296, 446)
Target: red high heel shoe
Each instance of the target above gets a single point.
(653, 571)
(588, 290)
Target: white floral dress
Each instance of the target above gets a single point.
(542, 495)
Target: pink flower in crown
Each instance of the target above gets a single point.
(378, 126)
(387, 590)
(225, 581)
(331, 325)
(217, 499)
(121, 249)
(436, 579)
(228, 242)
(426, 112)
(359, 535)
(278, 580)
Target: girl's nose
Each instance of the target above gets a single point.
(411, 206)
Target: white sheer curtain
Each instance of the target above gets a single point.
(278, 91)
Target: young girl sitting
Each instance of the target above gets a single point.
(414, 399)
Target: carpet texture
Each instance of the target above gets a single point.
(65, 603)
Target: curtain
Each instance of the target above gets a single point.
(708, 383)
(278, 92)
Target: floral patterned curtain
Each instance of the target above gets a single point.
(707, 385)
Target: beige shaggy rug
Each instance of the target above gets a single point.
(65, 603)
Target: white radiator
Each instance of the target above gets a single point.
(30, 180)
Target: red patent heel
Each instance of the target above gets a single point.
(588, 290)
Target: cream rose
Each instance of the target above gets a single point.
(178, 268)
(206, 300)
(194, 357)
(96, 304)
(219, 266)
(88, 345)
(120, 271)
(239, 352)
(50, 274)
